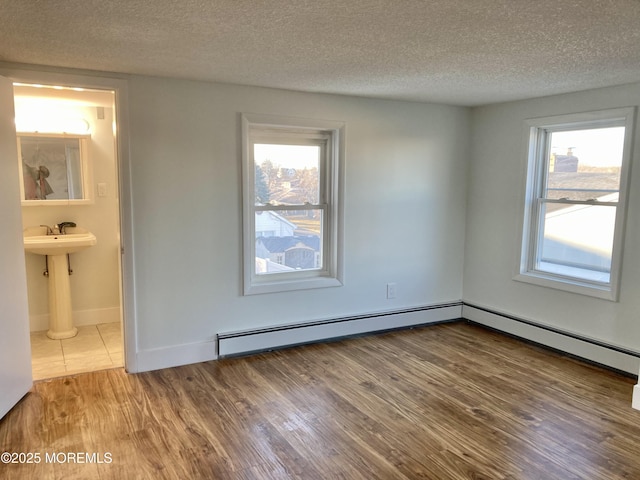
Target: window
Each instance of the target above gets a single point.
(575, 201)
(292, 209)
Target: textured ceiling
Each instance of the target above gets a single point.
(463, 52)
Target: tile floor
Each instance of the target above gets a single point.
(96, 347)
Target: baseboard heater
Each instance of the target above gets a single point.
(595, 351)
(263, 339)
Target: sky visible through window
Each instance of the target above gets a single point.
(287, 156)
(600, 147)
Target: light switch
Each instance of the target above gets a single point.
(102, 189)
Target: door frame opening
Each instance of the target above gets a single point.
(51, 77)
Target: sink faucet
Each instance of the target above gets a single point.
(49, 230)
(62, 226)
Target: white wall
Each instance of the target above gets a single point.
(95, 283)
(494, 218)
(410, 217)
(406, 169)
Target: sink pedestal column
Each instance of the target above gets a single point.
(60, 313)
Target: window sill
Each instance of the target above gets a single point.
(289, 285)
(549, 280)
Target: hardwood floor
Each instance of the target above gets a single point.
(451, 401)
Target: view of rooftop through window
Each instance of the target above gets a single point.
(288, 227)
(585, 164)
(578, 201)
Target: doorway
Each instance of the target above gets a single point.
(45, 112)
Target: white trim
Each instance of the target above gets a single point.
(535, 135)
(568, 343)
(244, 342)
(562, 283)
(635, 399)
(175, 356)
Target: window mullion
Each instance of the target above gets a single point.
(281, 208)
(566, 201)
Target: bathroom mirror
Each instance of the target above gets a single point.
(54, 169)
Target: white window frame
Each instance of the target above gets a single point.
(294, 131)
(537, 133)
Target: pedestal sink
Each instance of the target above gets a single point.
(56, 247)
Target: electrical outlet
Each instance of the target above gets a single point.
(391, 290)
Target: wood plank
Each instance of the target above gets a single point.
(451, 401)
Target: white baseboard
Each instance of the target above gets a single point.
(635, 403)
(589, 349)
(248, 341)
(96, 316)
(175, 356)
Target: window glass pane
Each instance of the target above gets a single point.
(585, 164)
(288, 241)
(577, 241)
(286, 174)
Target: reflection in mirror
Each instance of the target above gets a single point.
(53, 167)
